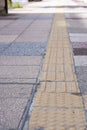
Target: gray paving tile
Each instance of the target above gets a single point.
(18, 80)
(33, 37)
(39, 18)
(25, 49)
(7, 38)
(78, 35)
(32, 33)
(78, 38)
(14, 17)
(19, 23)
(83, 87)
(47, 15)
(3, 46)
(81, 73)
(77, 15)
(19, 72)
(82, 78)
(20, 60)
(10, 32)
(15, 28)
(15, 90)
(31, 15)
(77, 30)
(11, 111)
(42, 23)
(41, 29)
(35, 33)
(85, 113)
(80, 60)
(4, 23)
(80, 51)
(79, 44)
(77, 23)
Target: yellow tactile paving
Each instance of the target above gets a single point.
(59, 87)
(60, 60)
(49, 119)
(58, 102)
(51, 75)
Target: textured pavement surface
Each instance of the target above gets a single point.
(23, 40)
(77, 29)
(58, 102)
(44, 45)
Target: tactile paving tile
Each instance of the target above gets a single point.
(53, 71)
(58, 76)
(59, 87)
(48, 119)
(60, 100)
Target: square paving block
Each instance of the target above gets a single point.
(19, 72)
(76, 23)
(20, 60)
(11, 112)
(41, 23)
(80, 60)
(3, 46)
(15, 90)
(80, 51)
(23, 24)
(18, 80)
(25, 49)
(78, 38)
(82, 35)
(36, 28)
(77, 30)
(4, 23)
(47, 15)
(7, 31)
(74, 16)
(83, 86)
(79, 44)
(81, 72)
(33, 37)
(7, 38)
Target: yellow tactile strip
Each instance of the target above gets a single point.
(59, 87)
(58, 63)
(60, 100)
(58, 72)
(58, 103)
(54, 119)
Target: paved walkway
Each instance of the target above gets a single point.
(43, 46)
(24, 35)
(58, 103)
